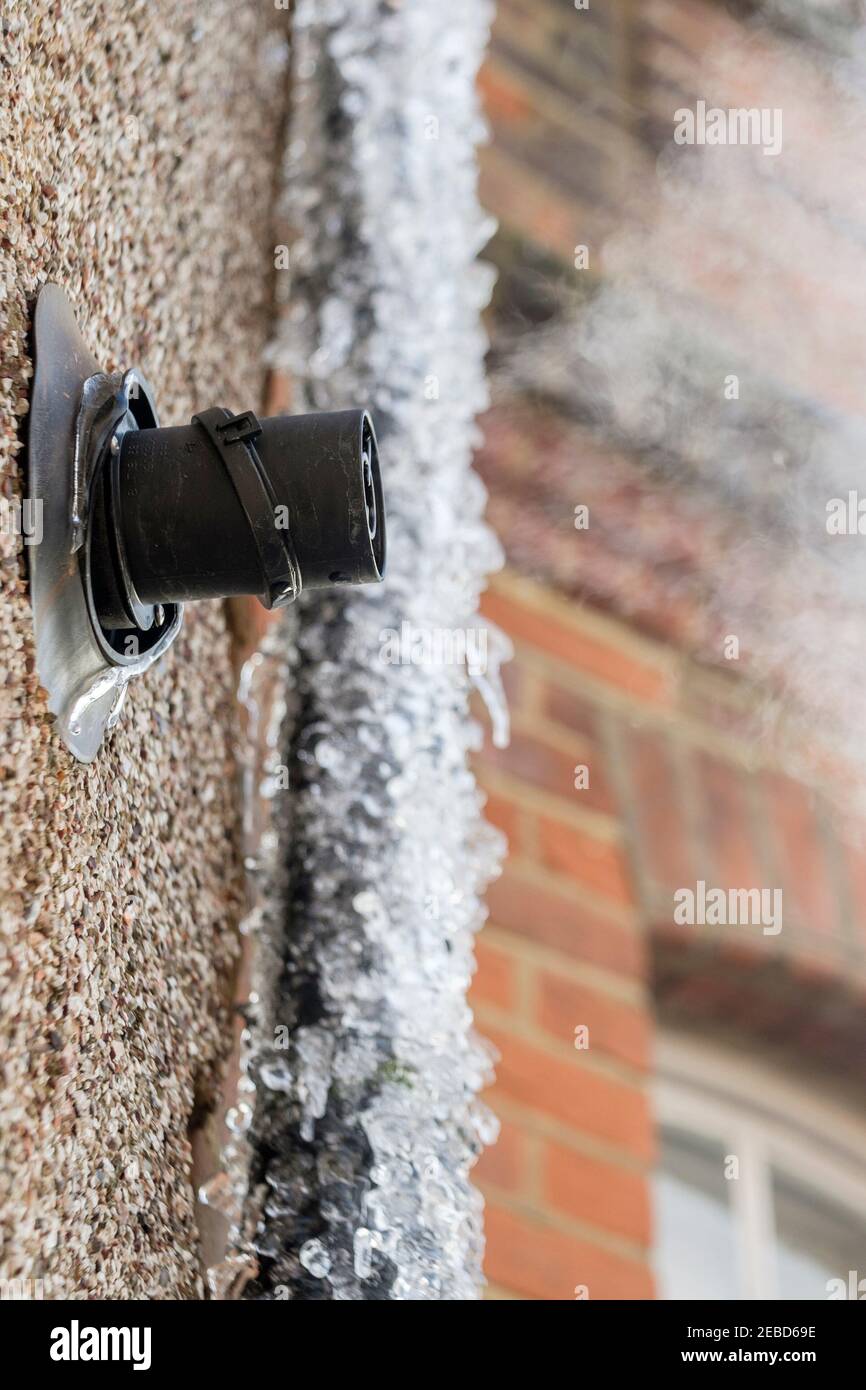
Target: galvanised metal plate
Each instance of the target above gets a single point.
(74, 410)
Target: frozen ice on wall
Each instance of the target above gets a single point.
(367, 1118)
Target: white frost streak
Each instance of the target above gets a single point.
(384, 310)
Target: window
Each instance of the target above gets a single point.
(761, 1183)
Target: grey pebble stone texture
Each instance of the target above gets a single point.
(138, 142)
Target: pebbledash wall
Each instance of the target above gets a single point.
(693, 772)
(131, 136)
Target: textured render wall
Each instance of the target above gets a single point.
(136, 150)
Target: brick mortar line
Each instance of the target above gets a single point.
(534, 1184)
(686, 675)
(602, 825)
(603, 695)
(556, 106)
(529, 836)
(607, 631)
(541, 1125)
(533, 692)
(699, 847)
(527, 990)
(626, 61)
(724, 683)
(498, 1293)
(619, 775)
(551, 730)
(525, 1030)
(609, 983)
(850, 927)
(536, 875)
(535, 182)
(553, 1219)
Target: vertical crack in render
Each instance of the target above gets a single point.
(368, 1119)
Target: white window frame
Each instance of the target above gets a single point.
(757, 1112)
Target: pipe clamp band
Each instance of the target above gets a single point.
(256, 496)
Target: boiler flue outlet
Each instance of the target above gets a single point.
(136, 520)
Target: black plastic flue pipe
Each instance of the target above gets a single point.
(232, 505)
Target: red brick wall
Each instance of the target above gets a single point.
(582, 108)
(566, 1187)
(581, 927)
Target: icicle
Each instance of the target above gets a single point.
(370, 1128)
